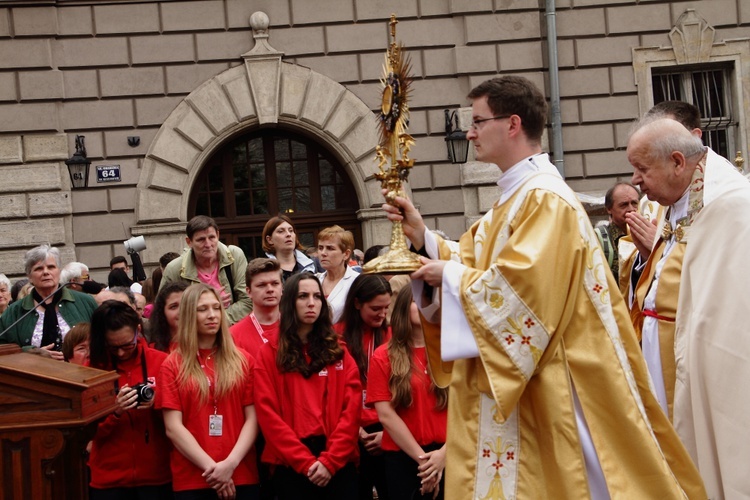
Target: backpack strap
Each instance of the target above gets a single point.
(603, 235)
(230, 279)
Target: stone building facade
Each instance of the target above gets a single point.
(187, 77)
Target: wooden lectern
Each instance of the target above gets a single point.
(48, 412)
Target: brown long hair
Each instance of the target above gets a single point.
(365, 288)
(323, 346)
(400, 349)
(158, 325)
(229, 365)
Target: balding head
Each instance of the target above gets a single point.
(664, 155)
(119, 295)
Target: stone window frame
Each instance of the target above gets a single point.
(693, 44)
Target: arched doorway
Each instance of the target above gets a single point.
(264, 95)
(271, 171)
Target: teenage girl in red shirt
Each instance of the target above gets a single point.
(165, 317)
(411, 408)
(363, 327)
(208, 404)
(308, 396)
(130, 450)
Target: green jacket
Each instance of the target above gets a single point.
(75, 307)
(184, 269)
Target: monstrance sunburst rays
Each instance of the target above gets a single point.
(392, 154)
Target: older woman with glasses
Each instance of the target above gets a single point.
(130, 451)
(50, 311)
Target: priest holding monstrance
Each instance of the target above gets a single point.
(549, 394)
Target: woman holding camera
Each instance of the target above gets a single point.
(130, 450)
(208, 404)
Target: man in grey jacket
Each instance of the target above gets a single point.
(211, 262)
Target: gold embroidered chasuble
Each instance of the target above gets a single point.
(549, 325)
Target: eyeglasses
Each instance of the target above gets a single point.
(475, 123)
(125, 347)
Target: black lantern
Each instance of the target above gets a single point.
(78, 165)
(458, 144)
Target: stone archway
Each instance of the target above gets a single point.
(264, 91)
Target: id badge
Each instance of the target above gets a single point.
(215, 423)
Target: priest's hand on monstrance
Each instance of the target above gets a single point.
(402, 210)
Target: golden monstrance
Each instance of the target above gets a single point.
(394, 148)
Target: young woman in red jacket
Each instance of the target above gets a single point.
(363, 327)
(130, 450)
(308, 396)
(207, 400)
(412, 410)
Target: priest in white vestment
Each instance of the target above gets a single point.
(693, 299)
(549, 394)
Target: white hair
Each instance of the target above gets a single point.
(667, 135)
(4, 281)
(72, 271)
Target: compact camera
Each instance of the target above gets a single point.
(145, 393)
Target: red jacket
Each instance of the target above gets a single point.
(281, 416)
(132, 450)
(368, 415)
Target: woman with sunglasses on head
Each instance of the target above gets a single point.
(309, 396)
(208, 404)
(411, 408)
(130, 450)
(364, 327)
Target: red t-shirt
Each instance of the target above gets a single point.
(246, 335)
(195, 417)
(368, 415)
(426, 424)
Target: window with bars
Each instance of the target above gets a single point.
(265, 173)
(707, 88)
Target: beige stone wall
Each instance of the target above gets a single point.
(113, 69)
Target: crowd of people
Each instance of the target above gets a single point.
(536, 357)
(269, 402)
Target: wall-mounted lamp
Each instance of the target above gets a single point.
(78, 165)
(458, 144)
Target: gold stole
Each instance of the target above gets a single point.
(667, 295)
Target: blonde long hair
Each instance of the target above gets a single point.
(229, 365)
(400, 349)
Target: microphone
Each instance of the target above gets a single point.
(32, 310)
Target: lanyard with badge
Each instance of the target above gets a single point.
(215, 421)
(370, 350)
(258, 327)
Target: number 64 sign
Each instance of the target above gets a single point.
(108, 173)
